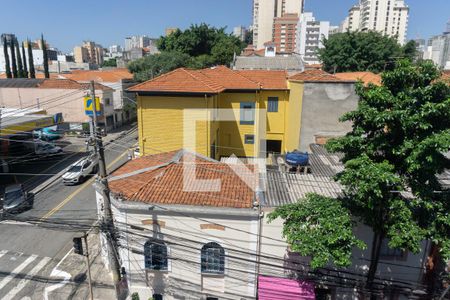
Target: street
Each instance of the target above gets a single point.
(30, 254)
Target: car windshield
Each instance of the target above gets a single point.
(12, 196)
(74, 169)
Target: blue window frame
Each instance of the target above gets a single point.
(155, 254)
(213, 259)
(249, 139)
(272, 104)
(247, 113)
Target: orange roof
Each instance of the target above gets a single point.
(69, 84)
(269, 80)
(159, 179)
(213, 80)
(446, 76)
(229, 79)
(365, 77)
(40, 76)
(112, 75)
(315, 75)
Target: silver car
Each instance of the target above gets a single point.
(16, 199)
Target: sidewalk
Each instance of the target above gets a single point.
(77, 286)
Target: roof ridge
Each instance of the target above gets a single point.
(154, 78)
(203, 81)
(249, 79)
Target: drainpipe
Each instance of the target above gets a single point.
(258, 241)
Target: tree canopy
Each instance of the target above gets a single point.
(112, 62)
(392, 156)
(363, 51)
(197, 47)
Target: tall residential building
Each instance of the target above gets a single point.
(89, 52)
(137, 41)
(264, 14)
(285, 33)
(310, 35)
(389, 17)
(240, 32)
(439, 50)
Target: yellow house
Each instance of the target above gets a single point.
(220, 112)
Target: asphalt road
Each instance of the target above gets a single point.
(28, 253)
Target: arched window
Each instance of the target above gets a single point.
(155, 253)
(213, 259)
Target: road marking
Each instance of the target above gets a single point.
(15, 290)
(3, 252)
(56, 272)
(16, 271)
(77, 191)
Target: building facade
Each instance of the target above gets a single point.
(439, 49)
(310, 36)
(390, 17)
(240, 32)
(89, 52)
(138, 41)
(264, 12)
(285, 33)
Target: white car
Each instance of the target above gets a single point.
(80, 170)
(136, 152)
(46, 149)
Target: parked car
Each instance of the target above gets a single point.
(15, 199)
(80, 170)
(47, 134)
(136, 152)
(46, 149)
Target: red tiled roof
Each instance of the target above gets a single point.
(69, 84)
(315, 75)
(229, 79)
(159, 179)
(180, 81)
(112, 75)
(213, 80)
(446, 76)
(365, 77)
(269, 80)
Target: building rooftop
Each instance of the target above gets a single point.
(47, 84)
(365, 77)
(212, 81)
(316, 75)
(112, 75)
(159, 179)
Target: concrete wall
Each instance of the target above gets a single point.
(323, 105)
(184, 237)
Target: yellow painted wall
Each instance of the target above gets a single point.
(232, 134)
(161, 124)
(294, 115)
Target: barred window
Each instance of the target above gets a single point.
(213, 259)
(155, 253)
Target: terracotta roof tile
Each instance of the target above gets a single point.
(112, 75)
(365, 77)
(159, 179)
(229, 79)
(316, 75)
(269, 80)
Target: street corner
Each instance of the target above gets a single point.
(72, 271)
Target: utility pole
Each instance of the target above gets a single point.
(91, 293)
(103, 183)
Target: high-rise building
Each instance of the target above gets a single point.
(137, 41)
(439, 50)
(285, 33)
(390, 17)
(264, 14)
(89, 52)
(240, 32)
(310, 36)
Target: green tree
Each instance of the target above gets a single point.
(400, 132)
(410, 50)
(5, 53)
(392, 157)
(30, 59)
(45, 57)
(24, 59)
(319, 227)
(151, 66)
(360, 51)
(110, 63)
(248, 40)
(20, 72)
(13, 59)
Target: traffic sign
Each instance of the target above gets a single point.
(88, 106)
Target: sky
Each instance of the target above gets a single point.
(66, 24)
